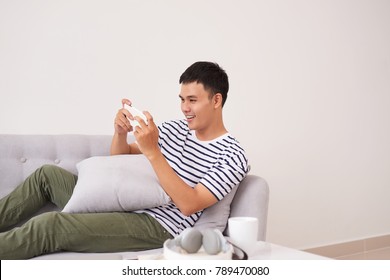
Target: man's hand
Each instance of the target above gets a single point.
(147, 136)
(122, 124)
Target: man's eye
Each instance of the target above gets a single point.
(192, 100)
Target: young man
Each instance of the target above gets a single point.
(196, 161)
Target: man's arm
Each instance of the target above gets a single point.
(119, 145)
(189, 200)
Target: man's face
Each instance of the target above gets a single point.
(196, 105)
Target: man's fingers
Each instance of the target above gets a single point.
(141, 122)
(122, 119)
(149, 117)
(125, 101)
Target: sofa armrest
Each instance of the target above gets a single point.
(251, 200)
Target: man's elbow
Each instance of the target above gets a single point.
(188, 210)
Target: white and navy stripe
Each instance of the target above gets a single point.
(219, 165)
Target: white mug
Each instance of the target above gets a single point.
(243, 233)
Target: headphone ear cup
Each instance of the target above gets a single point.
(212, 241)
(190, 240)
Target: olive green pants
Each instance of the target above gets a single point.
(57, 231)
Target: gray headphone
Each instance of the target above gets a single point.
(192, 239)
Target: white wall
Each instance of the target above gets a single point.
(309, 98)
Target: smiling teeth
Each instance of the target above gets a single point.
(190, 117)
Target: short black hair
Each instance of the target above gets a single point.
(210, 74)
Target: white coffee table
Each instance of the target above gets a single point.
(263, 251)
(270, 251)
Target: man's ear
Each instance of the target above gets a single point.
(218, 100)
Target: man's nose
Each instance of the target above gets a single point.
(185, 106)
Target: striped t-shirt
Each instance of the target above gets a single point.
(219, 165)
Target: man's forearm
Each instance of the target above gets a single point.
(188, 200)
(119, 145)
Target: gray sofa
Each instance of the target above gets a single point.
(20, 155)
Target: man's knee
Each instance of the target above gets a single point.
(48, 169)
(46, 221)
(48, 172)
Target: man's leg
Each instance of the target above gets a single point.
(48, 183)
(92, 232)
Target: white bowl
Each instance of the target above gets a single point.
(173, 252)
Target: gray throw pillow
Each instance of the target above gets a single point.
(116, 183)
(217, 215)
